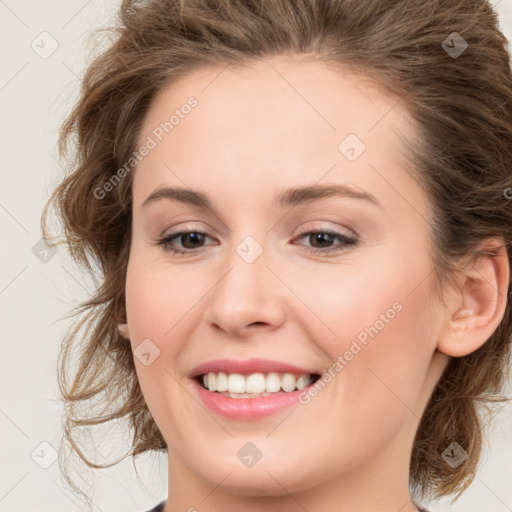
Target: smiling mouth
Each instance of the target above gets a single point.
(236, 385)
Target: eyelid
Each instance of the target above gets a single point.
(337, 230)
(158, 239)
(184, 227)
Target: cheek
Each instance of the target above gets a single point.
(382, 333)
(160, 308)
(156, 306)
(159, 301)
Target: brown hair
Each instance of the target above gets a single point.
(462, 156)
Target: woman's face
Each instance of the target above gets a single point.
(310, 256)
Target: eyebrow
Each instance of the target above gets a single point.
(289, 197)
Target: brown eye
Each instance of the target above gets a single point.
(321, 241)
(190, 241)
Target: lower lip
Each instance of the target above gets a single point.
(247, 408)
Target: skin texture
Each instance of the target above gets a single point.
(256, 131)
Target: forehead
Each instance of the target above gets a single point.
(296, 88)
(270, 122)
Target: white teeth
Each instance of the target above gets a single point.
(212, 381)
(255, 384)
(236, 383)
(288, 382)
(222, 382)
(273, 382)
(302, 381)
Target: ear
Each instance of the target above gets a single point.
(479, 301)
(124, 331)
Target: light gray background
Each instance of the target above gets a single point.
(35, 94)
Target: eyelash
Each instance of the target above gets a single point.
(347, 241)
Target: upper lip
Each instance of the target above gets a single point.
(247, 367)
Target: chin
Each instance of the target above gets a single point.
(263, 479)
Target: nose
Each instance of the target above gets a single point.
(247, 298)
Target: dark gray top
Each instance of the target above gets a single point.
(160, 508)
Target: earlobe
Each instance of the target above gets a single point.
(124, 330)
(481, 301)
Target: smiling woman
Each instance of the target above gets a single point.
(305, 294)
